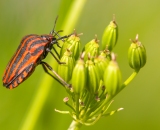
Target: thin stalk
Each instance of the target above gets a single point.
(131, 77)
(91, 112)
(37, 105)
(73, 15)
(87, 106)
(86, 103)
(75, 125)
(77, 105)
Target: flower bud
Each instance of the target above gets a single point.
(90, 43)
(65, 70)
(110, 36)
(91, 48)
(137, 55)
(73, 42)
(79, 76)
(101, 62)
(93, 77)
(112, 77)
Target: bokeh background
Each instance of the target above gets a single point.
(140, 99)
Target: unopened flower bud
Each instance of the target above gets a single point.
(137, 55)
(73, 42)
(112, 77)
(79, 76)
(66, 99)
(65, 70)
(91, 48)
(110, 36)
(101, 62)
(93, 77)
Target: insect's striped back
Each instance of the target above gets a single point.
(24, 61)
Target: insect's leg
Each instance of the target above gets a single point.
(48, 50)
(57, 43)
(59, 79)
(56, 52)
(61, 38)
(45, 69)
(66, 36)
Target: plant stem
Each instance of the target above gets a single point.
(73, 15)
(91, 112)
(75, 125)
(131, 77)
(77, 105)
(37, 105)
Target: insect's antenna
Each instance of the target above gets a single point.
(53, 30)
(54, 26)
(55, 22)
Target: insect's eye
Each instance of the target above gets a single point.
(43, 37)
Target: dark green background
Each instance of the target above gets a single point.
(140, 99)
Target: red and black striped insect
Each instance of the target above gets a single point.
(30, 53)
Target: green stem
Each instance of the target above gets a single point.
(77, 105)
(91, 112)
(37, 105)
(73, 15)
(87, 101)
(131, 77)
(75, 125)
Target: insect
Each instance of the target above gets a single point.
(32, 50)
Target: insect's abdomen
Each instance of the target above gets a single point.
(28, 55)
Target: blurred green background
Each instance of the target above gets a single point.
(140, 99)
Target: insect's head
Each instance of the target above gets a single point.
(49, 37)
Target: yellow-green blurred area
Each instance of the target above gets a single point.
(140, 99)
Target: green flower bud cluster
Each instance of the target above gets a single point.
(94, 75)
